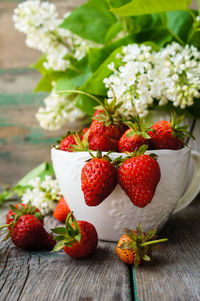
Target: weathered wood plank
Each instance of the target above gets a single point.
(174, 272)
(35, 276)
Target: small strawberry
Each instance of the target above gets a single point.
(106, 128)
(138, 175)
(135, 136)
(135, 247)
(169, 135)
(79, 238)
(62, 210)
(23, 209)
(98, 179)
(26, 229)
(73, 141)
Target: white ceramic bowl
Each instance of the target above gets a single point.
(117, 211)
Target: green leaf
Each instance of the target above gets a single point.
(180, 22)
(6, 195)
(146, 257)
(98, 55)
(45, 83)
(134, 8)
(40, 171)
(90, 21)
(94, 84)
(113, 31)
(86, 104)
(39, 65)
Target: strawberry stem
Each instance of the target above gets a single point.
(4, 226)
(87, 94)
(153, 242)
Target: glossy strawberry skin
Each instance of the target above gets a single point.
(138, 176)
(10, 213)
(103, 137)
(29, 234)
(88, 243)
(66, 143)
(62, 210)
(126, 255)
(163, 138)
(129, 144)
(98, 180)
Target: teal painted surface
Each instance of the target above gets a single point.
(17, 71)
(22, 99)
(134, 284)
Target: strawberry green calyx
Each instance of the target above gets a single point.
(58, 142)
(142, 243)
(139, 127)
(81, 144)
(99, 155)
(140, 151)
(109, 113)
(178, 130)
(67, 235)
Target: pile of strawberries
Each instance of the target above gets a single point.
(138, 173)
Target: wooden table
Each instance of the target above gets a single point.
(29, 276)
(173, 274)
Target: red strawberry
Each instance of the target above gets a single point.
(138, 176)
(62, 210)
(26, 229)
(74, 141)
(29, 234)
(106, 128)
(98, 179)
(79, 239)
(11, 214)
(169, 135)
(135, 136)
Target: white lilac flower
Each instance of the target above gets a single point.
(44, 194)
(59, 109)
(130, 83)
(177, 74)
(39, 21)
(172, 74)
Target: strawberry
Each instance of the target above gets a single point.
(73, 141)
(98, 179)
(138, 175)
(23, 209)
(135, 136)
(79, 238)
(169, 135)
(135, 247)
(29, 234)
(62, 210)
(26, 229)
(106, 128)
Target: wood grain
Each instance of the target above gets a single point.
(36, 276)
(174, 272)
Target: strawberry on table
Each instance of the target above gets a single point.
(23, 209)
(26, 229)
(98, 179)
(79, 239)
(138, 175)
(135, 247)
(62, 210)
(135, 136)
(169, 134)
